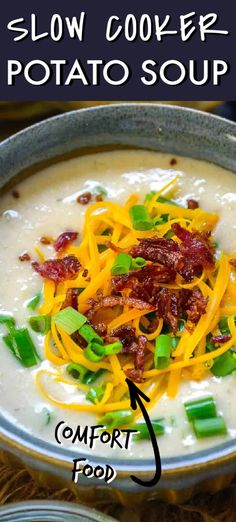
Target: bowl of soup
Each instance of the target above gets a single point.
(118, 256)
(50, 511)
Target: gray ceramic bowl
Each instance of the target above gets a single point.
(50, 511)
(164, 128)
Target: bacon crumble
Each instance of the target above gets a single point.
(220, 339)
(15, 193)
(192, 204)
(45, 240)
(71, 298)
(58, 270)
(64, 240)
(24, 256)
(84, 198)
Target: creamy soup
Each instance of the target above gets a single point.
(45, 205)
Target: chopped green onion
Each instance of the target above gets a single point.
(223, 325)
(34, 302)
(121, 264)
(162, 199)
(48, 415)
(95, 394)
(149, 196)
(91, 377)
(8, 321)
(209, 345)
(140, 218)
(69, 319)
(89, 334)
(174, 342)
(181, 325)
(162, 351)
(138, 262)
(102, 248)
(215, 243)
(201, 408)
(224, 365)
(142, 428)
(101, 191)
(117, 418)
(91, 354)
(209, 427)
(22, 346)
(107, 232)
(108, 349)
(160, 220)
(40, 323)
(96, 352)
(77, 371)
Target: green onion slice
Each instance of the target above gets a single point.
(34, 302)
(77, 371)
(69, 319)
(89, 334)
(142, 428)
(40, 323)
(95, 394)
(91, 377)
(209, 427)
(22, 346)
(138, 262)
(108, 349)
(149, 196)
(224, 365)
(117, 418)
(223, 325)
(162, 351)
(8, 321)
(162, 199)
(48, 415)
(201, 408)
(140, 218)
(91, 354)
(100, 190)
(174, 342)
(121, 264)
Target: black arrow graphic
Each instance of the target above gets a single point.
(135, 398)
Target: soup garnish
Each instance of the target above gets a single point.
(144, 292)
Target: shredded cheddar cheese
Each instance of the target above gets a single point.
(108, 221)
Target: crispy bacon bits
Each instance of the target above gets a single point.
(25, 256)
(15, 194)
(233, 263)
(173, 161)
(71, 298)
(192, 204)
(84, 198)
(197, 250)
(134, 346)
(45, 240)
(188, 258)
(64, 240)
(220, 339)
(58, 270)
(98, 198)
(193, 304)
(160, 250)
(144, 282)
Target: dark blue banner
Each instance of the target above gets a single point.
(87, 50)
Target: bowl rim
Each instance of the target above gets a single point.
(24, 442)
(52, 507)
